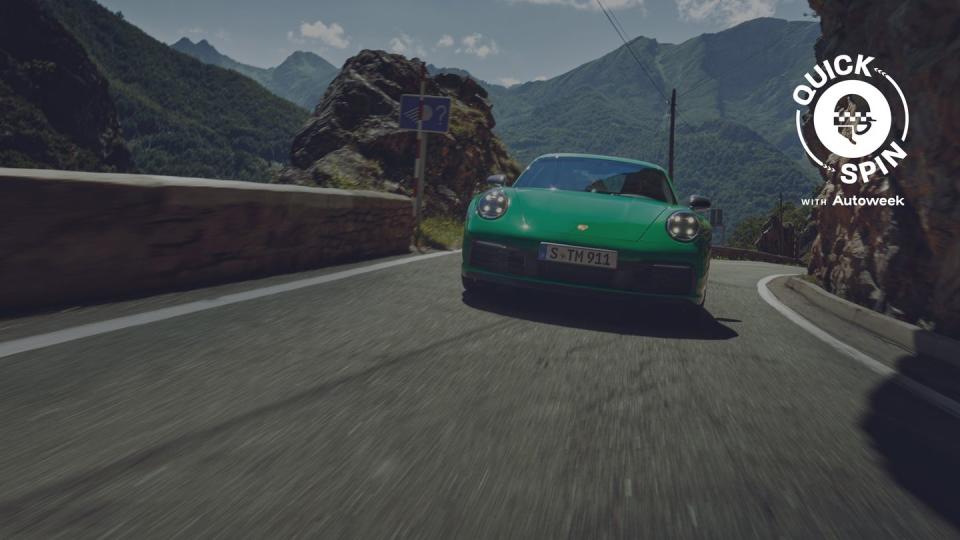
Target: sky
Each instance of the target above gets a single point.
(501, 41)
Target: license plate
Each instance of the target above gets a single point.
(601, 258)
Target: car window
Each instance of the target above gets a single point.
(597, 176)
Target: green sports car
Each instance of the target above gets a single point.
(588, 223)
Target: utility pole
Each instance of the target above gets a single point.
(673, 121)
(421, 162)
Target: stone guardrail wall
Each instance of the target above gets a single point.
(749, 255)
(75, 237)
(911, 337)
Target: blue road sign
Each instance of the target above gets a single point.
(436, 112)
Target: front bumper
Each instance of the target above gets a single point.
(638, 273)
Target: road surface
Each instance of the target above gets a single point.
(384, 404)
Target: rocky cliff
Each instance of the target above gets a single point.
(904, 261)
(353, 139)
(55, 107)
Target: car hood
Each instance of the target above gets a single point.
(598, 215)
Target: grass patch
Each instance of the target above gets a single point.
(442, 232)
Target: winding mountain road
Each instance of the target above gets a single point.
(382, 403)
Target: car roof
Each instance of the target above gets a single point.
(609, 158)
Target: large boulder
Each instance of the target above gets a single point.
(904, 261)
(353, 139)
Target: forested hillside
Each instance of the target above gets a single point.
(55, 108)
(178, 115)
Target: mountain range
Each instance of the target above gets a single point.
(744, 74)
(189, 110)
(177, 116)
(735, 141)
(302, 78)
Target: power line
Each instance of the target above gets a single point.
(633, 54)
(618, 28)
(616, 19)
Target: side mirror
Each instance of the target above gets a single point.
(497, 179)
(698, 202)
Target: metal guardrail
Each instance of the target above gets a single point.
(737, 254)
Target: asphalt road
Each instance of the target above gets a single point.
(386, 405)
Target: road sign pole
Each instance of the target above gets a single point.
(421, 163)
(420, 181)
(423, 114)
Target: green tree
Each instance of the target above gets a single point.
(746, 232)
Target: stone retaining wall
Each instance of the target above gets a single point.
(70, 237)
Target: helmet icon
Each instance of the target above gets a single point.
(852, 117)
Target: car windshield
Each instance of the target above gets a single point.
(597, 176)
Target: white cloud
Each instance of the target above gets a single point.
(405, 44)
(540, 78)
(727, 12)
(445, 41)
(397, 46)
(476, 45)
(332, 35)
(585, 4)
(293, 37)
(509, 81)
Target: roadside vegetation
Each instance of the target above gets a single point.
(442, 232)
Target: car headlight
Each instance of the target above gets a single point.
(493, 204)
(683, 226)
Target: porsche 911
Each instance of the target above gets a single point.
(588, 223)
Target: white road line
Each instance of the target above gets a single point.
(918, 389)
(40, 341)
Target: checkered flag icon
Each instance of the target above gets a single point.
(851, 118)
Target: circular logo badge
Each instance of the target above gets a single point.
(852, 117)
